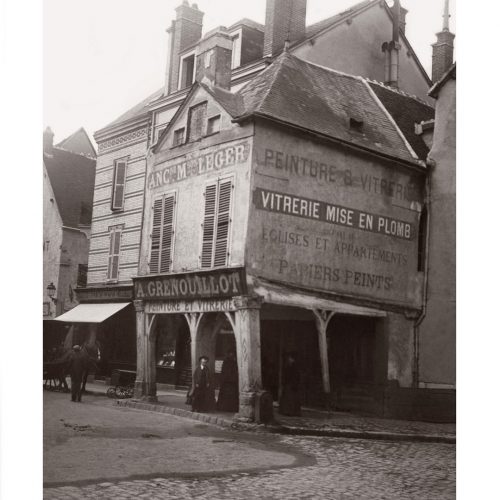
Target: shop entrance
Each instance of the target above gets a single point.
(173, 351)
(357, 359)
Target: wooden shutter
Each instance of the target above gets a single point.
(119, 185)
(154, 261)
(114, 253)
(208, 226)
(167, 233)
(223, 221)
(162, 236)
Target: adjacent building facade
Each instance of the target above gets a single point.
(266, 201)
(68, 189)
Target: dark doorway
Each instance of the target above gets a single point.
(358, 360)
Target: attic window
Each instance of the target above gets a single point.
(186, 73)
(213, 125)
(356, 124)
(179, 136)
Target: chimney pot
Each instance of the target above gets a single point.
(285, 20)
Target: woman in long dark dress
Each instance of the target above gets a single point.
(203, 394)
(228, 394)
(290, 397)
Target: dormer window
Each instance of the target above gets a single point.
(213, 125)
(179, 136)
(186, 73)
(197, 122)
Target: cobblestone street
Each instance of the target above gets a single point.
(183, 459)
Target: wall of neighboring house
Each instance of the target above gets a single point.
(437, 363)
(356, 48)
(131, 145)
(74, 252)
(52, 241)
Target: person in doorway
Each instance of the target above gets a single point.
(76, 367)
(203, 393)
(289, 403)
(228, 395)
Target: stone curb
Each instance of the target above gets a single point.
(283, 429)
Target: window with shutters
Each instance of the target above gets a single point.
(115, 235)
(162, 235)
(197, 121)
(118, 196)
(216, 224)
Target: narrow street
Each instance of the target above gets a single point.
(97, 450)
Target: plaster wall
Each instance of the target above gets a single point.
(52, 240)
(438, 329)
(190, 186)
(74, 251)
(356, 48)
(400, 351)
(325, 255)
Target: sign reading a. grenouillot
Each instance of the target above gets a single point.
(332, 222)
(200, 285)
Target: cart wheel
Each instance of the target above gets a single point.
(111, 392)
(121, 392)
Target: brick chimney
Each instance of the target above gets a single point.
(48, 141)
(285, 20)
(442, 50)
(184, 32)
(213, 58)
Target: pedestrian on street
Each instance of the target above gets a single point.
(228, 395)
(203, 394)
(290, 397)
(76, 368)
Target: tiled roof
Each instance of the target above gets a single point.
(406, 111)
(232, 103)
(79, 143)
(72, 178)
(137, 110)
(323, 101)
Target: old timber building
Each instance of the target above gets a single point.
(271, 197)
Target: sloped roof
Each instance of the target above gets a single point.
(72, 178)
(232, 103)
(79, 143)
(451, 73)
(313, 29)
(406, 111)
(137, 110)
(323, 101)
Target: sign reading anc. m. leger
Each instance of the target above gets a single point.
(199, 162)
(201, 285)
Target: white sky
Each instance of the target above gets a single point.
(101, 57)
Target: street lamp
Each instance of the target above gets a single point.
(51, 290)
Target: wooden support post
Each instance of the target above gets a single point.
(141, 346)
(322, 318)
(193, 321)
(246, 324)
